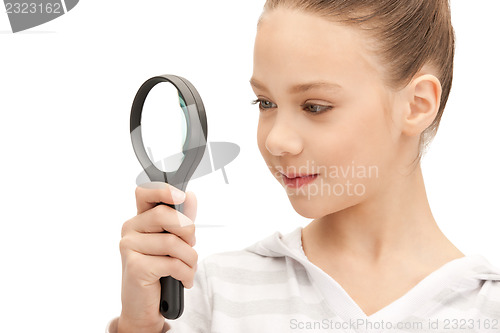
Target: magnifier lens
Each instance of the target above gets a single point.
(163, 123)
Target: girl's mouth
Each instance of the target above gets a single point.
(297, 181)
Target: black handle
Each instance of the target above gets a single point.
(172, 294)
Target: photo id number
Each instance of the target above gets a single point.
(33, 8)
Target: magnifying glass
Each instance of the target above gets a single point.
(174, 126)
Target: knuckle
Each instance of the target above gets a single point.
(125, 228)
(122, 247)
(125, 244)
(134, 264)
(138, 192)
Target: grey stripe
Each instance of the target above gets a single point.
(452, 299)
(293, 305)
(237, 253)
(252, 277)
(197, 321)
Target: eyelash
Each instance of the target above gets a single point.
(325, 107)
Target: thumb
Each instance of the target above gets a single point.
(190, 205)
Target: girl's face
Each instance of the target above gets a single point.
(323, 110)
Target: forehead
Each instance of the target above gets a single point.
(302, 46)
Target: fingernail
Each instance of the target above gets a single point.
(178, 195)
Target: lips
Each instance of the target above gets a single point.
(291, 176)
(294, 180)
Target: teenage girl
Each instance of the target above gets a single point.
(350, 93)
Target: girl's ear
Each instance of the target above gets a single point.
(424, 100)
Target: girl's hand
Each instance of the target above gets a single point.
(144, 249)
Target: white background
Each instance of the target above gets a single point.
(68, 170)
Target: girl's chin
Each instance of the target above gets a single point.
(306, 207)
(315, 207)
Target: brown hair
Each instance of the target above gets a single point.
(408, 33)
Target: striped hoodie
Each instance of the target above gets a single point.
(271, 287)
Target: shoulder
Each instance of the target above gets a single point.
(487, 277)
(487, 300)
(475, 293)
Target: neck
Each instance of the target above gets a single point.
(396, 222)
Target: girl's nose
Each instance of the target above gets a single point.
(283, 138)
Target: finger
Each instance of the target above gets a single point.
(161, 245)
(162, 218)
(151, 268)
(190, 205)
(148, 195)
(190, 208)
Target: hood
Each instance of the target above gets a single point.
(279, 245)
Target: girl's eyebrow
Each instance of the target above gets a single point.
(256, 84)
(300, 88)
(311, 85)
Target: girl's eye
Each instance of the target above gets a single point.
(315, 108)
(264, 104)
